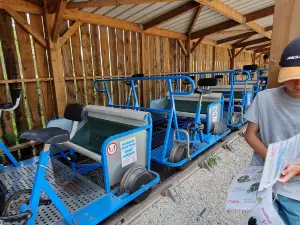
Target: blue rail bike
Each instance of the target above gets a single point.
(176, 137)
(115, 142)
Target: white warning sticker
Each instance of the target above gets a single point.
(112, 149)
(214, 114)
(128, 151)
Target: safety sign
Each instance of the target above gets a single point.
(128, 151)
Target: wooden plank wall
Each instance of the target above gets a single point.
(92, 52)
(24, 64)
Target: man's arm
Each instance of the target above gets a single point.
(254, 141)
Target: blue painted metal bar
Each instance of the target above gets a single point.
(9, 155)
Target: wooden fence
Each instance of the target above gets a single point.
(92, 52)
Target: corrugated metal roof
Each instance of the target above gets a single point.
(265, 22)
(142, 13)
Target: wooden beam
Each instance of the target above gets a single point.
(253, 42)
(213, 29)
(222, 8)
(21, 6)
(246, 35)
(258, 56)
(253, 58)
(263, 49)
(269, 28)
(182, 46)
(91, 18)
(214, 58)
(285, 29)
(196, 44)
(27, 26)
(195, 19)
(232, 59)
(260, 14)
(101, 3)
(171, 14)
(232, 32)
(239, 51)
(240, 41)
(188, 64)
(62, 40)
(36, 2)
(259, 47)
(58, 19)
(52, 8)
(56, 67)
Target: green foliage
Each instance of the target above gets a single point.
(11, 138)
(213, 160)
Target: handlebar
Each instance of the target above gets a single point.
(16, 218)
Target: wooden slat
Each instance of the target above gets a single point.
(171, 14)
(197, 14)
(114, 67)
(151, 67)
(68, 72)
(43, 71)
(213, 29)
(78, 70)
(134, 53)
(105, 50)
(87, 62)
(121, 64)
(16, 81)
(75, 15)
(27, 26)
(101, 3)
(157, 65)
(58, 19)
(146, 91)
(260, 14)
(28, 73)
(127, 52)
(62, 40)
(253, 42)
(239, 51)
(182, 47)
(232, 32)
(96, 54)
(235, 37)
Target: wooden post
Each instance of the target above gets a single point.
(167, 54)
(232, 59)
(285, 29)
(214, 58)
(188, 65)
(253, 58)
(56, 68)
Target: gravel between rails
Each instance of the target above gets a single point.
(201, 198)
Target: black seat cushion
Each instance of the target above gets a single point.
(6, 105)
(52, 135)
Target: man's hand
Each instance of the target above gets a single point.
(289, 173)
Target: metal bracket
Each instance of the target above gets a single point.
(170, 193)
(228, 147)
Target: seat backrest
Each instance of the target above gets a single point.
(74, 112)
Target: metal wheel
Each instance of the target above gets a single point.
(178, 153)
(134, 179)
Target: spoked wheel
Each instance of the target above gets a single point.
(178, 153)
(134, 179)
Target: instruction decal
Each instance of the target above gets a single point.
(214, 114)
(112, 149)
(128, 151)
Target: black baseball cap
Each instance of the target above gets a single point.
(290, 62)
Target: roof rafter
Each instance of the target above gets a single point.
(253, 42)
(171, 14)
(233, 14)
(195, 19)
(260, 14)
(259, 46)
(100, 3)
(246, 35)
(58, 19)
(263, 49)
(269, 28)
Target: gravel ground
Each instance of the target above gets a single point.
(201, 198)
